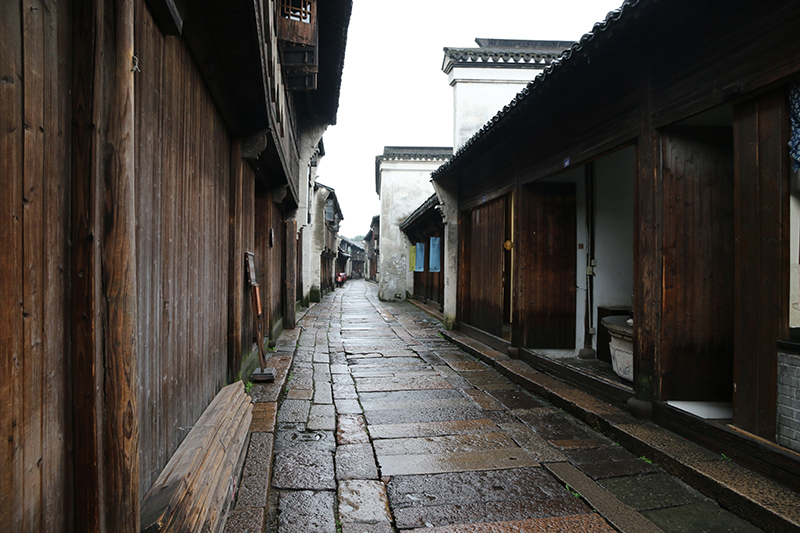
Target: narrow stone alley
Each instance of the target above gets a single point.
(377, 423)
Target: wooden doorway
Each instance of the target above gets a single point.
(697, 327)
(484, 265)
(546, 266)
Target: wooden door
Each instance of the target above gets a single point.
(698, 264)
(546, 266)
(488, 223)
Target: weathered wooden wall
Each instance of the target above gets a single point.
(36, 483)
(276, 261)
(183, 205)
(263, 221)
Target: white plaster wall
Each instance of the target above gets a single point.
(317, 238)
(304, 212)
(405, 185)
(308, 145)
(613, 282)
(480, 93)
(448, 198)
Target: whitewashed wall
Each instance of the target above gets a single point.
(404, 186)
(478, 95)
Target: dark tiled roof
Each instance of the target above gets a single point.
(428, 204)
(413, 153)
(409, 153)
(599, 29)
(506, 52)
(353, 243)
(331, 194)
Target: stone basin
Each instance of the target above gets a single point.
(621, 345)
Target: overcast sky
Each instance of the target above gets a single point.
(394, 92)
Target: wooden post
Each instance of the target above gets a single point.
(761, 189)
(647, 256)
(290, 287)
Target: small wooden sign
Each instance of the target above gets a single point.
(250, 266)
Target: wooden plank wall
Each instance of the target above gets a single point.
(276, 261)
(761, 133)
(248, 215)
(464, 266)
(241, 232)
(35, 391)
(183, 196)
(263, 219)
(546, 266)
(486, 292)
(430, 285)
(698, 278)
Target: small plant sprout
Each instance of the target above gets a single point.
(573, 492)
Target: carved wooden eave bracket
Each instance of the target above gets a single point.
(254, 145)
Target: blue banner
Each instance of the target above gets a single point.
(435, 253)
(419, 265)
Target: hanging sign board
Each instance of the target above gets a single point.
(419, 265)
(436, 255)
(250, 267)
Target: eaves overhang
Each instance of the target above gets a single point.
(600, 33)
(426, 206)
(409, 153)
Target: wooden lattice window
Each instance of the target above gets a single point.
(297, 10)
(297, 21)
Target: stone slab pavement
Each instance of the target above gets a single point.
(377, 423)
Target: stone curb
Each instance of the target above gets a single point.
(252, 497)
(754, 498)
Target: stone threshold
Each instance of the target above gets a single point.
(759, 500)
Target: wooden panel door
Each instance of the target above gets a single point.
(486, 269)
(546, 266)
(698, 284)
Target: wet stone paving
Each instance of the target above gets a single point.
(384, 426)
